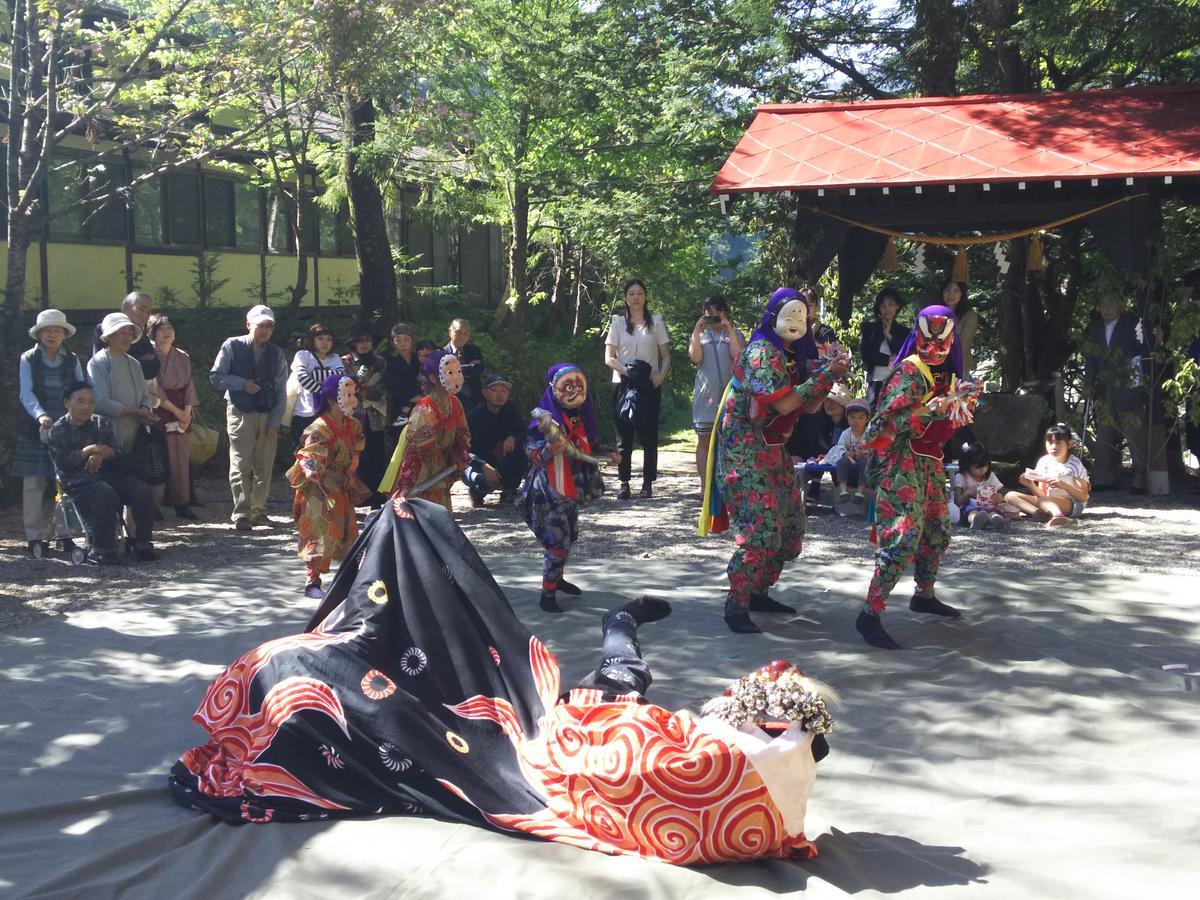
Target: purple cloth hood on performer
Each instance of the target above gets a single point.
(329, 388)
(433, 363)
(909, 347)
(587, 412)
(803, 349)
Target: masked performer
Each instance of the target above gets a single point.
(435, 445)
(562, 437)
(416, 690)
(755, 487)
(325, 476)
(911, 510)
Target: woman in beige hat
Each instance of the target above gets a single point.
(121, 392)
(46, 368)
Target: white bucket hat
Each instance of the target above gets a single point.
(258, 314)
(113, 323)
(51, 318)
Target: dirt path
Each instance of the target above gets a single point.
(1120, 534)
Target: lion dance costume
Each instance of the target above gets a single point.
(911, 509)
(416, 690)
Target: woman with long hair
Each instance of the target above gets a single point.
(882, 337)
(639, 353)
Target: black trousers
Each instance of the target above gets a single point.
(645, 429)
(100, 503)
(621, 669)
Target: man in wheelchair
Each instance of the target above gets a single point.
(97, 475)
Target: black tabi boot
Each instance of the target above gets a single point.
(549, 602)
(738, 619)
(933, 606)
(569, 589)
(763, 603)
(871, 628)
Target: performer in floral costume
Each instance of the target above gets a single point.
(755, 487)
(325, 476)
(922, 404)
(436, 442)
(563, 475)
(416, 690)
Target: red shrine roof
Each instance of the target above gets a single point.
(1140, 132)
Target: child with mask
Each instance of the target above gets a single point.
(325, 478)
(435, 446)
(563, 474)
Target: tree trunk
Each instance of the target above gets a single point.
(518, 271)
(936, 45)
(373, 250)
(300, 289)
(1012, 357)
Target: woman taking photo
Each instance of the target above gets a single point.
(882, 337)
(638, 352)
(175, 400)
(714, 347)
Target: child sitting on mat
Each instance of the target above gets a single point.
(1059, 483)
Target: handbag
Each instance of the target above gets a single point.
(204, 442)
(149, 455)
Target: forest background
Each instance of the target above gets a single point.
(588, 131)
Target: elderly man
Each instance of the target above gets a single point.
(471, 360)
(1111, 355)
(498, 460)
(253, 374)
(137, 306)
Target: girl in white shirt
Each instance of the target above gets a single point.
(1059, 483)
(310, 367)
(635, 336)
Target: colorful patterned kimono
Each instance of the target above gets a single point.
(912, 513)
(551, 495)
(758, 484)
(325, 476)
(434, 440)
(416, 690)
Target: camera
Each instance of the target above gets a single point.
(712, 320)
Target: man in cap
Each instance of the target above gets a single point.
(137, 306)
(498, 460)
(252, 372)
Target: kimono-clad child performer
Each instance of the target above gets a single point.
(325, 476)
(563, 473)
(771, 386)
(435, 445)
(922, 403)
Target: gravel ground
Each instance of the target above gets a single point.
(1120, 533)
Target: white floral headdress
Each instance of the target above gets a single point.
(778, 692)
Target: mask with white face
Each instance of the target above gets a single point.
(791, 322)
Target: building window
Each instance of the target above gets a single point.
(220, 212)
(183, 209)
(247, 208)
(148, 213)
(64, 207)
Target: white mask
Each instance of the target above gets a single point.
(450, 374)
(791, 323)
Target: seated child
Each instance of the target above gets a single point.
(849, 456)
(978, 493)
(1059, 483)
(815, 434)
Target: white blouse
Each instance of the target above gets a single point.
(643, 344)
